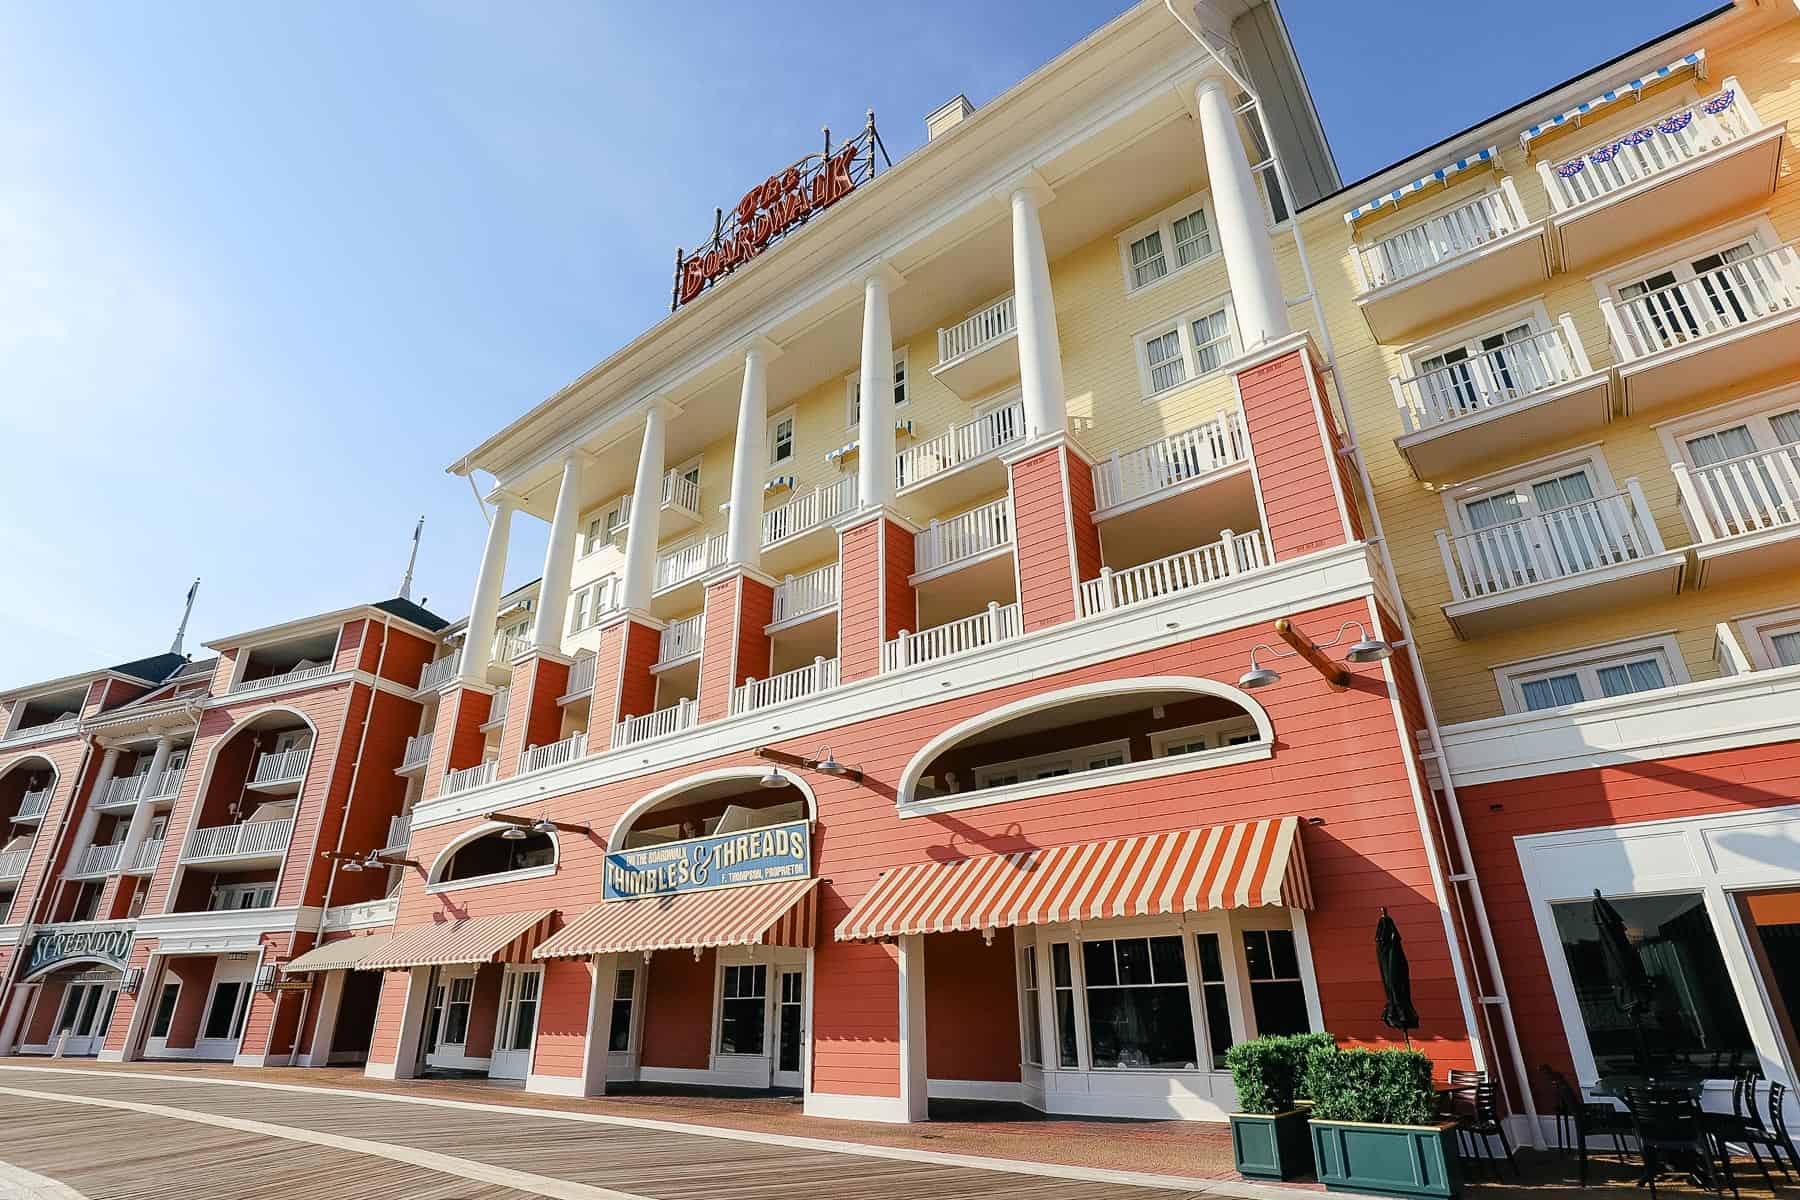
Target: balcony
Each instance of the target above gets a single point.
(246, 839)
(979, 352)
(149, 853)
(1580, 559)
(33, 805)
(467, 778)
(165, 786)
(556, 754)
(680, 501)
(802, 529)
(997, 624)
(680, 642)
(1195, 480)
(12, 864)
(97, 862)
(416, 754)
(508, 646)
(120, 792)
(1232, 554)
(678, 568)
(63, 723)
(679, 716)
(280, 773)
(439, 672)
(1467, 257)
(581, 679)
(497, 706)
(298, 674)
(804, 597)
(1745, 513)
(967, 538)
(1704, 335)
(399, 834)
(963, 462)
(821, 674)
(1698, 161)
(1541, 388)
(370, 914)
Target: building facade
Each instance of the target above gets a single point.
(1018, 622)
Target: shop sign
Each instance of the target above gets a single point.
(53, 947)
(723, 860)
(772, 208)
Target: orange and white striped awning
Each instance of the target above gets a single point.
(782, 913)
(504, 937)
(1246, 865)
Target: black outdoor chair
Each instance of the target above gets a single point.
(1481, 1122)
(1672, 1135)
(1777, 1127)
(1743, 1126)
(1578, 1119)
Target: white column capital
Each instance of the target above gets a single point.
(1029, 185)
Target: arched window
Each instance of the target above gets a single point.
(494, 853)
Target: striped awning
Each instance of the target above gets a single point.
(763, 914)
(1247, 865)
(345, 954)
(1625, 91)
(505, 937)
(1442, 175)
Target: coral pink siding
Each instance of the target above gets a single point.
(1299, 480)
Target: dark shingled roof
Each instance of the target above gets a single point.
(154, 669)
(406, 610)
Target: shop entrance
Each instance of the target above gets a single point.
(790, 1029)
(447, 1021)
(86, 1011)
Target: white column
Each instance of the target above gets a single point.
(913, 1081)
(646, 511)
(749, 457)
(90, 816)
(875, 425)
(603, 970)
(412, 1028)
(15, 1016)
(1040, 351)
(1243, 230)
(142, 814)
(559, 558)
(478, 639)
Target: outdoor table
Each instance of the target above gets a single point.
(1614, 1087)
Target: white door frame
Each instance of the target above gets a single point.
(508, 1063)
(453, 1056)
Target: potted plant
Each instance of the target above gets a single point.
(1375, 1127)
(1268, 1132)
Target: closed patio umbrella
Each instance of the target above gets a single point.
(1396, 978)
(1632, 990)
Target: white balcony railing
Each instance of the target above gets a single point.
(1727, 297)
(542, 758)
(144, 860)
(1653, 148)
(664, 721)
(1559, 543)
(1728, 653)
(681, 639)
(997, 624)
(816, 676)
(1747, 494)
(297, 675)
(809, 510)
(1491, 380)
(979, 331)
(1232, 554)
(12, 863)
(964, 536)
(238, 841)
(120, 790)
(678, 492)
(1170, 461)
(508, 646)
(689, 562)
(960, 444)
(798, 595)
(418, 751)
(1437, 239)
(440, 672)
(581, 675)
(497, 705)
(99, 860)
(165, 786)
(33, 805)
(469, 777)
(288, 766)
(399, 834)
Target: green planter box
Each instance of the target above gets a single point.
(1271, 1146)
(1387, 1160)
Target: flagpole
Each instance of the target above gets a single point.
(412, 560)
(181, 630)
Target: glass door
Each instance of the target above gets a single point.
(513, 1038)
(790, 1030)
(452, 1001)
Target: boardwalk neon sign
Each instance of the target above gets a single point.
(702, 864)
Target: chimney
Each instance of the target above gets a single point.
(947, 117)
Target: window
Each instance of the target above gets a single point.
(1192, 739)
(1193, 345)
(239, 897)
(1772, 639)
(618, 1038)
(1277, 996)
(1661, 308)
(1694, 1013)
(1193, 241)
(602, 528)
(1214, 997)
(1171, 241)
(1263, 161)
(1596, 673)
(165, 1010)
(1738, 471)
(781, 438)
(578, 610)
(1147, 262)
(588, 604)
(225, 1019)
(1051, 766)
(493, 854)
(1486, 369)
(853, 391)
(519, 1019)
(1139, 1015)
(461, 999)
(741, 1008)
(1028, 1019)
(1062, 986)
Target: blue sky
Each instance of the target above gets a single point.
(265, 269)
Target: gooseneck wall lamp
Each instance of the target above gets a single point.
(1366, 649)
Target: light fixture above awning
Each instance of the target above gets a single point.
(783, 913)
(1250, 864)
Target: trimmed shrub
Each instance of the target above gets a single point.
(1379, 1087)
(1267, 1070)
(1304, 1045)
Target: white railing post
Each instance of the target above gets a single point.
(993, 612)
(1515, 207)
(1572, 341)
(1690, 500)
(1406, 414)
(1640, 511)
(1107, 599)
(1450, 568)
(1228, 551)
(1623, 349)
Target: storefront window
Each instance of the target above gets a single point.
(456, 1013)
(619, 1038)
(1062, 979)
(222, 1020)
(1028, 1020)
(1276, 994)
(1694, 1016)
(1214, 997)
(165, 1010)
(741, 1009)
(1139, 1015)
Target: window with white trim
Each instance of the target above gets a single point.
(1215, 997)
(1493, 365)
(233, 897)
(1772, 639)
(1193, 739)
(853, 391)
(1139, 1013)
(1664, 313)
(1062, 994)
(602, 526)
(742, 1001)
(589, 603)
(1596, 673)
(1277, 995)
(781, 438)
(1029, 1020)
(1049, 766)
(1188, 347)
(1179, 237)
(618, 1038)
